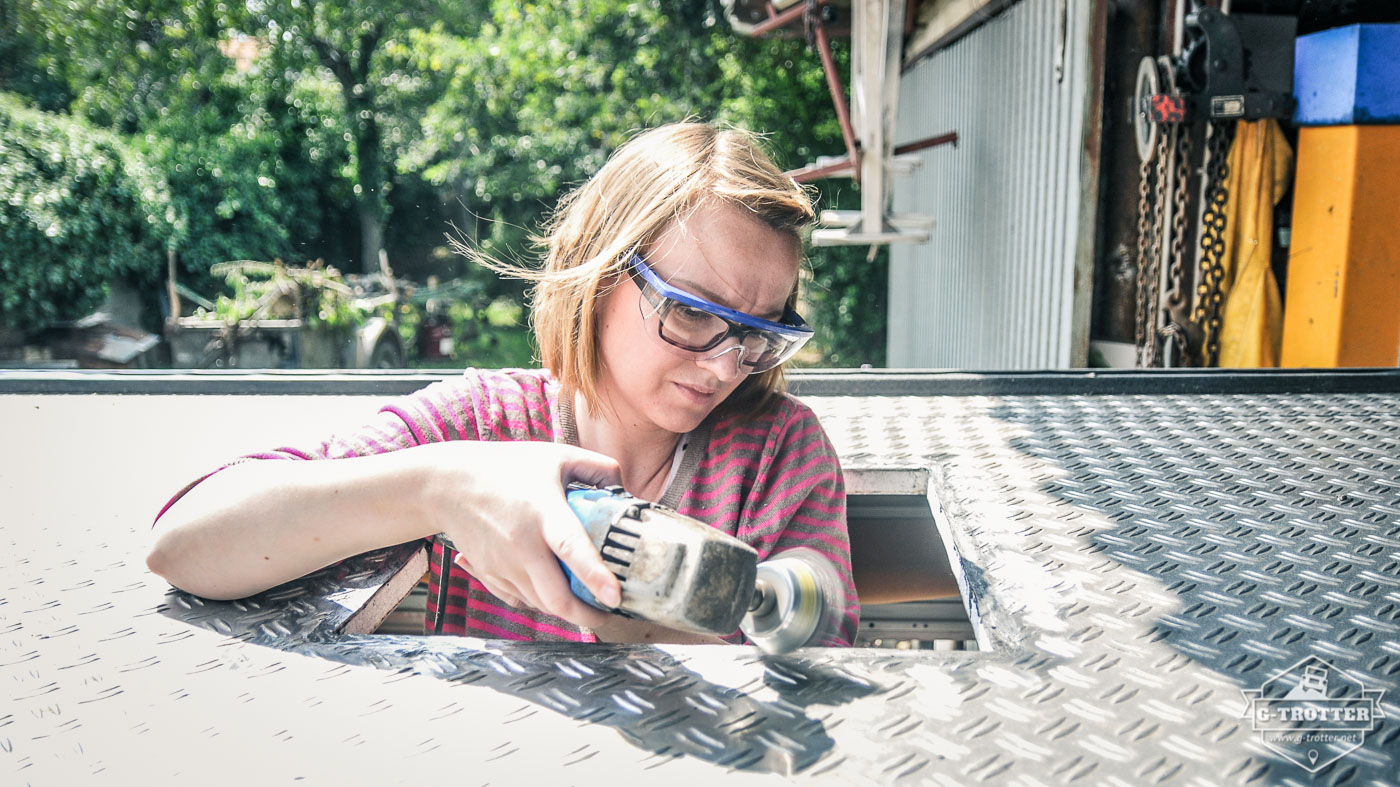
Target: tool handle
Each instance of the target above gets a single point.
(582, 500)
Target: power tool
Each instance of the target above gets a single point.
(680, 573)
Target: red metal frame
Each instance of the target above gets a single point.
(838, 94)
(778, 19)
(810, 14)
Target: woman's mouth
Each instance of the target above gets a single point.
(697, 394)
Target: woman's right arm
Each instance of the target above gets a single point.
(257, 524)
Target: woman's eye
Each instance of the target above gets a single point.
(691, 314)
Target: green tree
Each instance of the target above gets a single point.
(537, 97)
(22, 55)
(357, 112)
(80, 210)
(350, 39)
(252, 157)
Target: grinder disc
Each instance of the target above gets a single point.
(792, 604)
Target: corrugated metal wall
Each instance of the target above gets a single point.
(994, 287)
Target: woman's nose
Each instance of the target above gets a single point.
(727, 365)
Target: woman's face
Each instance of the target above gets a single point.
(721, 253)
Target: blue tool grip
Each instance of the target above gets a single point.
(583, 501)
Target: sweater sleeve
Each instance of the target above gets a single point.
(798, 501)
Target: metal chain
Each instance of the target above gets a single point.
(1152, 183)
(1172, 148)
(1209, 286)
(1143, 331)
(1177, 293)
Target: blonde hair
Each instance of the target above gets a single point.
(647, 183)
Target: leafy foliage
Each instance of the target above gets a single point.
(347, 40)
(534, 100)
(273, 290)
(248, 167)
(400, 119)
(79, 210)
(22, 55)
(243, 171)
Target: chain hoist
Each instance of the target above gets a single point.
(1206, 82)
(1152, 147)
(1164, 147)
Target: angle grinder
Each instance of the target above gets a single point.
(680, 573)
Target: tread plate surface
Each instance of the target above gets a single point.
(1131, 563)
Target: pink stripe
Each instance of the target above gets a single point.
(786, 478)
(374, 446)
(793, 513)
(515, 617)
(182, 493)
(408, 422)
(478, 408)
(727, 490)
(454, 409)
(516, 407)
(745, 448)
(281, 453)
(500, 633)
(835, 543)
(806, 432)
(706, 484)
(740, 447)
(816, 522)
(749, 431)
(515, 427)
(773, 513)
(389, 434)
(814, 505)
(797, 451)
(836, 560)
(438, 421)
(734, 470)
(496, 432)
(702, 512)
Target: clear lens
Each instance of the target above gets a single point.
(709, 335)
(691, 328)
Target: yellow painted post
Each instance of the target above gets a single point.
(1343, 303)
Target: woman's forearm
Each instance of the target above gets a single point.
(258, 524)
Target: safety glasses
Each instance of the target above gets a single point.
(707, 330)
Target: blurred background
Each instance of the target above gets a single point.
(1006, 184)
(260, 154)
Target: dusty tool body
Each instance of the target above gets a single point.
(681, 573)
(674, 570)
(678, 572)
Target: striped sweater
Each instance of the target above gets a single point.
(772, 481)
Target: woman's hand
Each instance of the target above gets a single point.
(502, 504)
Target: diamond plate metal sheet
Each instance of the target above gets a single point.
(1130, 564)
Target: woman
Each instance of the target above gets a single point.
(663, 313)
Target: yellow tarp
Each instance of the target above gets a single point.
(1261, 165)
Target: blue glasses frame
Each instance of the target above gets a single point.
(792, 328)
